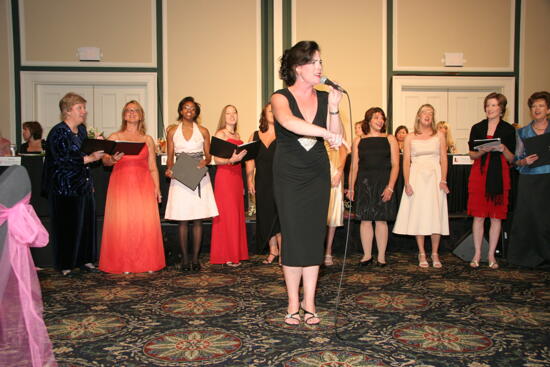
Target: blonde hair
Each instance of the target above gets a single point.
(448, 135)
(417, 119)
(141, 124)
(222, 123)
(68, 101)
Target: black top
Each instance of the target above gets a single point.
(23, 149)
(64, 171)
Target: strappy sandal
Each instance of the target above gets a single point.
(422, 262)
(293, 316)
(435, 261)
(312, 315)
(493, 265)
(328, 260)
(270, 258)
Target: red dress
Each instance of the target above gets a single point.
(132, 238)
(228, 228)
(478, 204)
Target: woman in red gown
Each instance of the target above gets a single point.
(489, 181)
(132, 238)
(229, 245)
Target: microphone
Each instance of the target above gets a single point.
(327, 81)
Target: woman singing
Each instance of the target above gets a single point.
(259, 172)
(132, 243)
(423, 208)
(68, 183)
(489, 181)
(303, 117)
(530, 235)
(185, 205)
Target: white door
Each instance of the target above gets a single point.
(413, 98)
(47, 103)
(108, 103)
(465, 109)
(104, 104)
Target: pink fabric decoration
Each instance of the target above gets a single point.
(24, 339)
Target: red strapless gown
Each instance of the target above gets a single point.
(228, 241)
(132, 238)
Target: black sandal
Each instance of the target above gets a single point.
(293, 317)
(312, 315)
(267, 259)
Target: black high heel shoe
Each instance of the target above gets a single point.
(196, 267)
(185, 268)
(366, 262)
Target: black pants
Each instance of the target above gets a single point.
(73, 230)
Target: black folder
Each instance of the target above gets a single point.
(539, 145)
(224, 149)
(186, 171)
(111, 146)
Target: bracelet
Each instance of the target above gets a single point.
(334, 113)
(443, 181)
(389, 188)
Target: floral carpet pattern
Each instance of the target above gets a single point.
(398, 315)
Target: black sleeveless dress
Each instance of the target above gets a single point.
(267, 221)
(301, 182)
(373, 174)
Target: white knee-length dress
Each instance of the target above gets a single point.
(184, 203)
(425, 211)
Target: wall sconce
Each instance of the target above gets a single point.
(89, 53)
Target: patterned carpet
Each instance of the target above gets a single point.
(399, 315)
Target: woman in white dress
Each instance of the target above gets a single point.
(423, 208)
(185, 204)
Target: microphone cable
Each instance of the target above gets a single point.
(339, 290)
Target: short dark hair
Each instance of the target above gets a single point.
(368, 117)
(34, 128)
(197, 107)
(501, 99)
(544, 95)
(399, 128)
(299, 54)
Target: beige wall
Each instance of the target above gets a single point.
(212, 53)
(6, 121)
(54, 30)
(535, 69)
(212, 47)
(352, 48)
(426, 29)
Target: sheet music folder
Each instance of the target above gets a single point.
(186, 171)
(486, 143)
(111, 146)
(224, 149)
(539, 145)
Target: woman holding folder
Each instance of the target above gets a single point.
(68, 184)
(185, 204)
(489, 181)
(229, 245)
(530, 235)
(132, 238)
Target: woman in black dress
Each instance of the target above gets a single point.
(375, 165)
(259, 173)
(301, 173)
